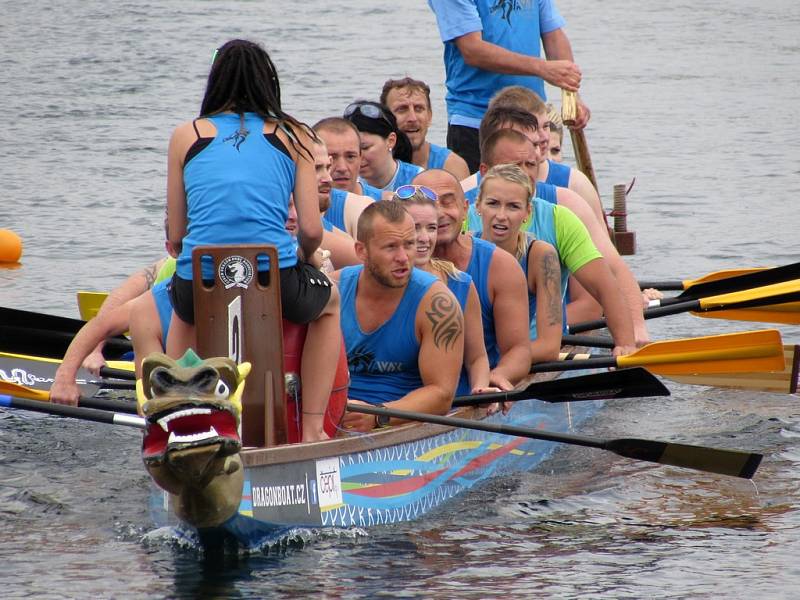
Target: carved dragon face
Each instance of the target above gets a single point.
(190, 403)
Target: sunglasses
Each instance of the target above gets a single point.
(368, 110)
(404, 192)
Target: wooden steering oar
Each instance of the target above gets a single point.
(712, 460)
(776, 303)
(727, 353)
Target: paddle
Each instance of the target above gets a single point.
(116, 404)
(39, 373)
(77, 412)
(727, 353)
(777, 303)
(25, 332)
(755, 279)
(784, 381)
(89, 303)
(712, 460)
(676, 286)
(624, 383)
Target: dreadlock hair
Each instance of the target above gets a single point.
(512, 174)
(243, 79)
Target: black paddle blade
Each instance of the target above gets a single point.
(736, 463)
(739, 283)
(636, 382)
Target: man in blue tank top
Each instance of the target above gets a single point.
(349, 196)
(489, 44)
(402, 327)
(410, 102)
(501, 286)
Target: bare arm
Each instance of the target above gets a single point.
(354, 205)
(544, 279)
(457, 166)
(115, 321)
(179, 143)
(582, 306)
(510, 305)
(596, 277)
(145, 327)
(491, 57)
(580, 184)
(475, 359)
(341, 247)
(624, 278)
(306, 200)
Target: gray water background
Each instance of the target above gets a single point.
(697, 101)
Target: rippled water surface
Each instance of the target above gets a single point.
(696, 101)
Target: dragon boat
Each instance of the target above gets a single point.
(218, 488)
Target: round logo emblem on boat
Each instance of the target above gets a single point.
(235, 271)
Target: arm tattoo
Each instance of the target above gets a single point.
(150, 274)
(552, 283)
(447, 323)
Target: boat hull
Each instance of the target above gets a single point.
(391, 476)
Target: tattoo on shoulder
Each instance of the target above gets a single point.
(447, 322)
(150, 274)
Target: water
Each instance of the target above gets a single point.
(696, 102)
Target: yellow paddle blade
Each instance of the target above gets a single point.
(125, 365)
(89, 303)
(759, 293)
(727, 353)
(724, 274)
(781, 382)
(28, 357)
(15, 389)
(787, 313)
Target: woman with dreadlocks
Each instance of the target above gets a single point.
(230, 175)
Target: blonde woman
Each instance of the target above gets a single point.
(504, 204)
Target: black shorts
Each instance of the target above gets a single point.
(463, 141)
(304, 293)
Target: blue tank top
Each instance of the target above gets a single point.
(383, 364)
(404, 174)
(478, 268)
(437, 156)
(160, 293)
(327, 225)
(237, 192)
(335, 213)
(547, 192)
(370, 191)
(459, 284)
(558, 174)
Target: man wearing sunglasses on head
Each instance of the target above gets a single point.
(349, 196)
(500, 283)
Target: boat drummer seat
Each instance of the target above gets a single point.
(238, 314)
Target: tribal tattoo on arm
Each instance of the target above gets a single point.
(447, 322)
(149, 274)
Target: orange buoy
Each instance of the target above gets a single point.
(10, 246)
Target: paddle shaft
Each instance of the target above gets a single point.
(714, 460)
(591, 341)
(77, 412)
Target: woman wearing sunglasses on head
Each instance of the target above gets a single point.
(419, 202)
(230, 175)
(385, 150)
(503, 205)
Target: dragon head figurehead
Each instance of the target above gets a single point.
(191, 442)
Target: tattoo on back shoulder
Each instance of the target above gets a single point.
(447, 322)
